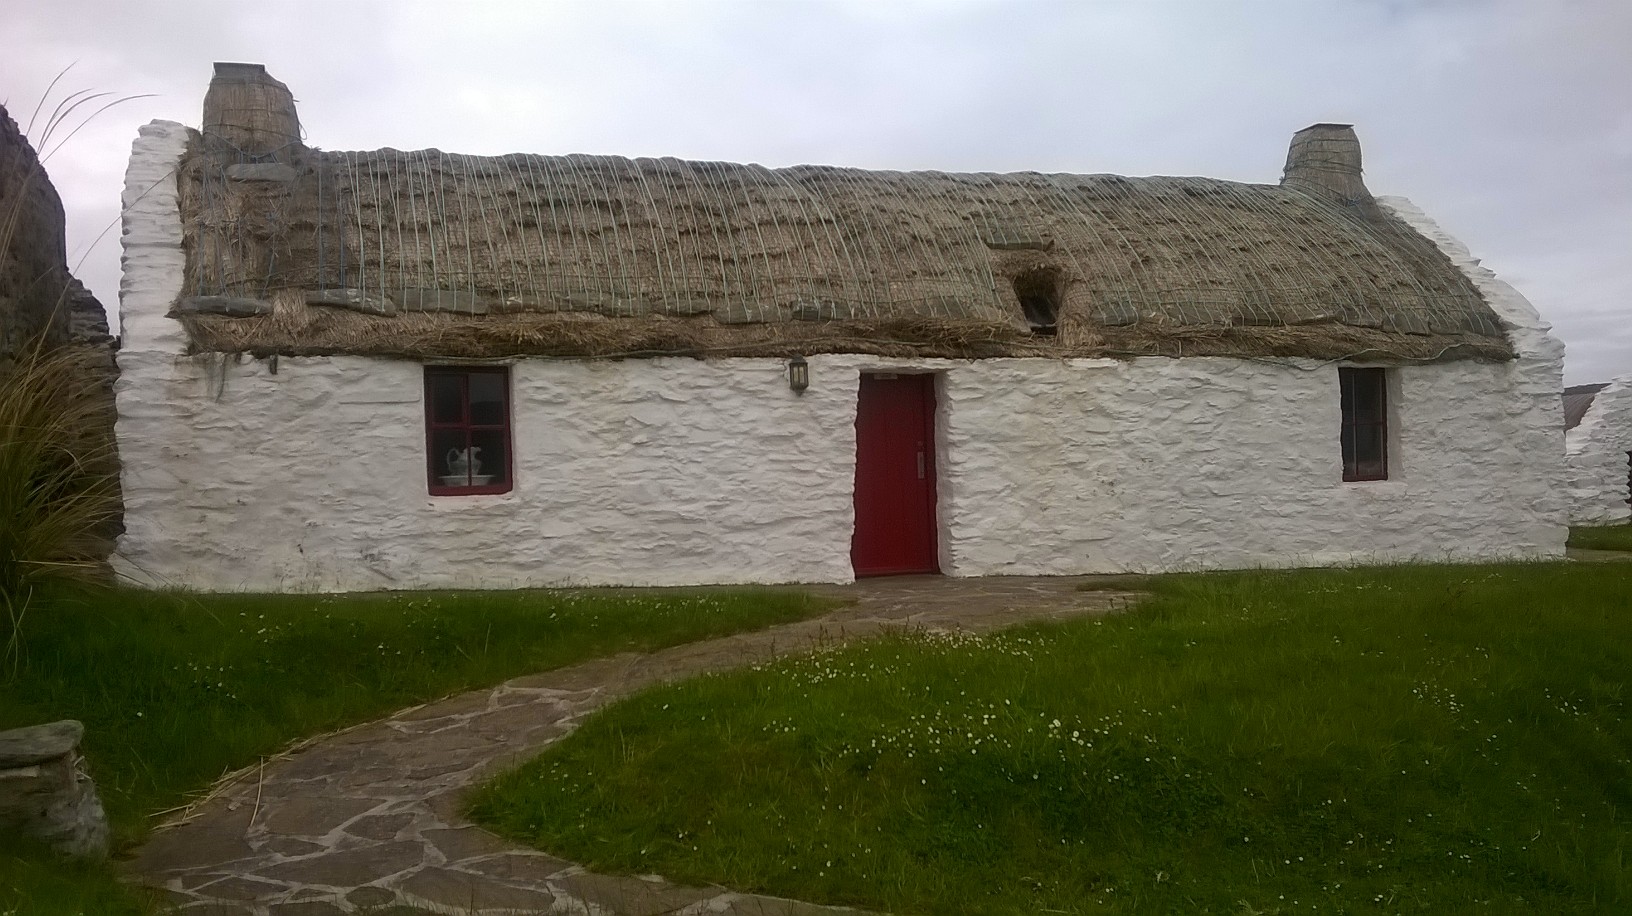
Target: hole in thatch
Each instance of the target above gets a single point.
(1039, 293)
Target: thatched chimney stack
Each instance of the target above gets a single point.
(1325, 159)
(248, 111)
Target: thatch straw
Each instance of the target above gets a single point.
(59, 475)
(590, 255)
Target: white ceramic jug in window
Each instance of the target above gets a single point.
(462, 461)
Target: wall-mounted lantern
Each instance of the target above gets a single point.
(798, 374)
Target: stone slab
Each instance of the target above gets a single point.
(304, 908)
(353, 867)
(230, 306)
(370, 897)
(313, 816)
(463, 892)
(379, 827)
(34, 744)
(261, 171)
(235, 887)
(520, 866)
(207, 844)
(459, 843)
(631, 896)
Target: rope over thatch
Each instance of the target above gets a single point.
(426, 254)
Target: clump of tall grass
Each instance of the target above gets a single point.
(58, 486)
(58, 468)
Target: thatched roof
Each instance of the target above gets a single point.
(426, 254)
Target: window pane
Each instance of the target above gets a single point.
(491, 457)
(1368, 446)
(447, 449)
(447, 398)
(487, 398)
(1368, 396)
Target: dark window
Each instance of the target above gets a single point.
(467, 430)
(1365, 423)
(1039, 295)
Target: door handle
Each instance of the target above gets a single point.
(920, 465)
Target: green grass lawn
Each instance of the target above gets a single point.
(177, 689)
(1606, 537)
(1389, 740)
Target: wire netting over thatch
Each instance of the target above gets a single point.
(425, 254)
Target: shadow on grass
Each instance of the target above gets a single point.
(1604, 537)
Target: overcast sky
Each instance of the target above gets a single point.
(1508, 121)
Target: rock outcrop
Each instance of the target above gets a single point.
(41, 303)
(35, 285)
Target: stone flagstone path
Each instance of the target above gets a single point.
(369, 819)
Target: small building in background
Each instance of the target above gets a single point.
(1598, 452)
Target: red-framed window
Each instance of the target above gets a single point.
(467, 430)
(1364, 394)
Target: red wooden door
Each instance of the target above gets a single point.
(895, 476)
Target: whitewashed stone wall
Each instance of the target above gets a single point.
(679, 471)
(1595, 454)
(1101, 466)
